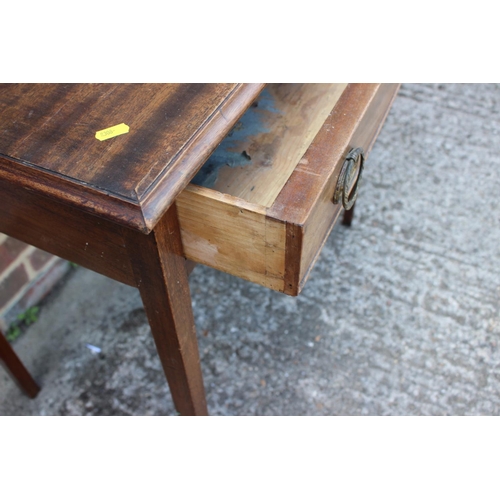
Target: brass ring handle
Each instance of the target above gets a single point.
(347, 188)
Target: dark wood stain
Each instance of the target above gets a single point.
(18, 118)
(87, 201)
(293, 254)
(179, 115)
(57, 141)
(161, 277)
(51, 127)
(156, 195)
(14, 365)
(64, 231)
(69, 195)
(348, 216)
(161, 120)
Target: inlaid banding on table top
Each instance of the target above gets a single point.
(173, 129)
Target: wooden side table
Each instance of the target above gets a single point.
(100, 175)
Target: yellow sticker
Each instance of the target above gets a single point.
(110, 132)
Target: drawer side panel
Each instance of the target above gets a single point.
(233, 236)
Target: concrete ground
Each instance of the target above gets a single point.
(401, 315)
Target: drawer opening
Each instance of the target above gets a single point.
(223, 212)
(258, 156)
(261, 206)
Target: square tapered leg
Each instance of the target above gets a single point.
(16, 368)
(160, 272)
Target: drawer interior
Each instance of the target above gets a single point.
(232, 215)
(223, 212)
(258, 156)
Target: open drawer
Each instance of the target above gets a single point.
(262, 206)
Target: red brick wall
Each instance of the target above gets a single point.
(27, 274)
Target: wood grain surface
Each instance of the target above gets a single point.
(306, 201)
(277, 245)
(50, 128)
(161, 277)
(232, 235)
(14, 365)
(258, 156)
(64, 231)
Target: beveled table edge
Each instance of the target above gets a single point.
(145, 212)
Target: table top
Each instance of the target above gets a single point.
(61, 140)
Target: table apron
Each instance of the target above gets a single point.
(64, 231)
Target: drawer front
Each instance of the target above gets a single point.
(354, 123)
(274, 240)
